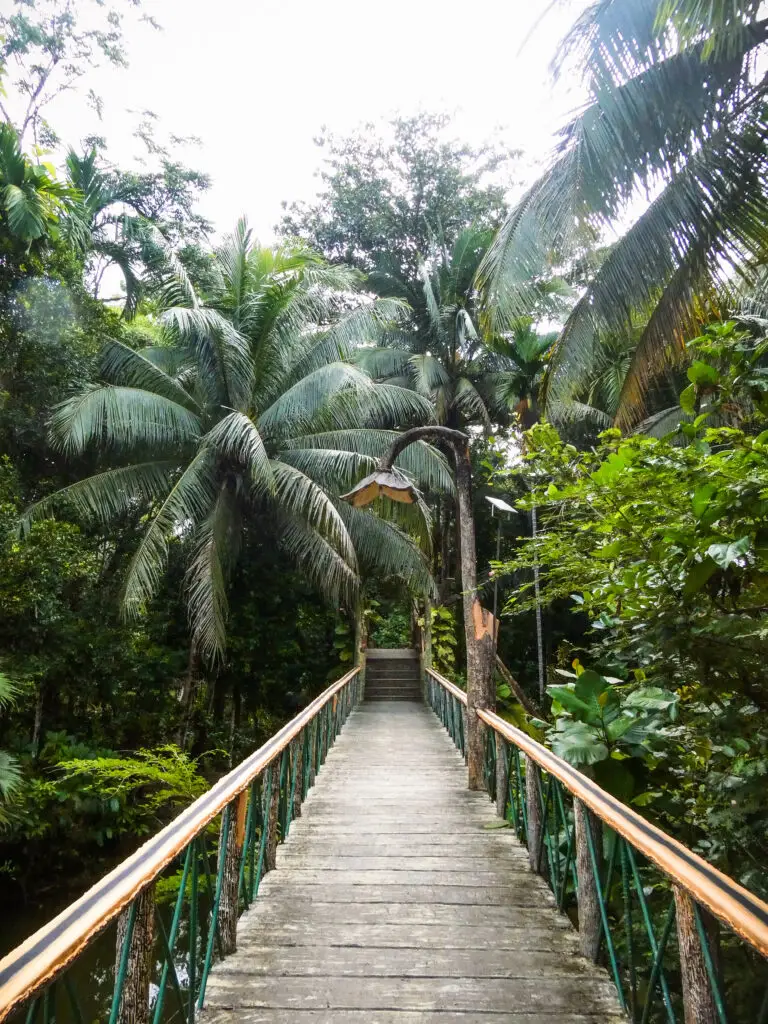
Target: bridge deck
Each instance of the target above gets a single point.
(393, 904)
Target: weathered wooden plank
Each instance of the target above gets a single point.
(403, 861)
(461, 895)
(302, 1016)
(470, 994)
(265, 961)
(526, 933)
(442, 914)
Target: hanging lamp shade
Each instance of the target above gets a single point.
(390, 484)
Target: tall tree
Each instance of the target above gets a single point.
(46, 47)
(248, 417)
(391, 194)
(676, 121)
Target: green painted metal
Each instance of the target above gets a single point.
(213, 927)
(626, 897)
(193, 912)
(263, 808)
(175, 922)
(652, 942)
(169, 967)
(247, 856)
(658, 957)
(122, 967)
(714, 982)
(74, 1002)
(49, 1004)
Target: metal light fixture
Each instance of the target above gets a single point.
(390, 483)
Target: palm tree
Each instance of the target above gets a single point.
(521, 355)
(10, 775)
(31, 199)
(677, 119)
(249, 417)
(442, 355)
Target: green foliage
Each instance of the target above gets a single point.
(254, 390)
(443, 640)
(661, 547)
(678, 115)
(391, 630)
(142, 791)
(607, 729)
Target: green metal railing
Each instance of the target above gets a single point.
(174, 904)
(681, 941)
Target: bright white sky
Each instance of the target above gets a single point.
(256, 80)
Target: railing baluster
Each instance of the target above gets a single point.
(175, 923)
(192, 959)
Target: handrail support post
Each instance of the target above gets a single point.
(698, 1001)
(136, 925)
(588, 895)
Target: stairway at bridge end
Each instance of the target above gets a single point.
(392, 674)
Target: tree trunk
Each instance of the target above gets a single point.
(699, 1006)
(134, 999)
(187, 694)
(479, 638)
(589, 900)
(37, 728)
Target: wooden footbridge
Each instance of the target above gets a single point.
(344, 873)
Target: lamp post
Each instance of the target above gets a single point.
(478, 625)
(502, 506)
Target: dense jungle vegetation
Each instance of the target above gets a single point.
(181, 407)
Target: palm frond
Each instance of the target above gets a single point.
(121, 417)
(386, 550)
(188, 503)
(237, 438)
(320, 562)
(299, 495)
(105, 496)
(123, 365)
(426, 466)
(216, 545)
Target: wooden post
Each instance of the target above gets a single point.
(228, 902)
(533, 810)
(698, 1002)
(299, 755)
(134, 1001)
(270, 859)
(589, 897)
(502, 776)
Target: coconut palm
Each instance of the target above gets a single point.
(10, 773)
(248, 417)
(442, 355)
(677, 119)
(31, 199)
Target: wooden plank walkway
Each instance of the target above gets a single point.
(391, 902)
